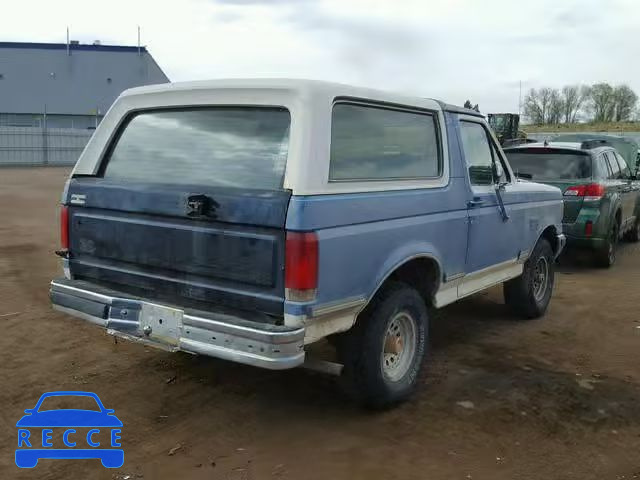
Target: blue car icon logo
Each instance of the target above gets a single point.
(83, 433)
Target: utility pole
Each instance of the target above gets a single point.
(520, 99)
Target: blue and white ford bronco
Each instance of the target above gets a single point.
(246, 219)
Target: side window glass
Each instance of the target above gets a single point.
(604, 169)
(373, 143)
(615, 168)
(477, 152)
(626, 172)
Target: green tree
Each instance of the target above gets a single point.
(625, 100)
(573, 97)
(602, 102)
(538, 104)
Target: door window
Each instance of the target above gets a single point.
(613, 165)
(624, 168)
(604, 170)
(477, 152)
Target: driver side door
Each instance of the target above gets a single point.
(495, 231)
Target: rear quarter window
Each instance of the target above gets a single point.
(375, 143)
(242, 147)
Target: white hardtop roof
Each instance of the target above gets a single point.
(294, 86)
(309, 103)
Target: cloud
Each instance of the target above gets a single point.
(261, 2)
(449, 49)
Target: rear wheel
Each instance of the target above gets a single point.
(633, 235)
(529, 294)
(383, 353)
(606, 255)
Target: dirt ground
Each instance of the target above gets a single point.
(555, 398)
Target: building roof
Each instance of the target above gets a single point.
(35, 77)
(95, 47)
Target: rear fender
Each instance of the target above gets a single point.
(401, 256)
(614, 207)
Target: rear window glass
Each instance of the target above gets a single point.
(244, 147)
(370, 143)
(549, 165)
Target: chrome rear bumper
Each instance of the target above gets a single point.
(171, 328)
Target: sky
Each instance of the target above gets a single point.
(452, 50)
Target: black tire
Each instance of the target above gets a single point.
(633, 235)
(368, 366)
(606, 256)
(529, 294)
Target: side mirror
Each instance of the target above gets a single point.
(28, 411)
(498, 171)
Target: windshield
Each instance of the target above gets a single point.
(552, 165)
(498, 122)
(244, 147)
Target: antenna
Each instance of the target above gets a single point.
(139, 53)
(68, 51)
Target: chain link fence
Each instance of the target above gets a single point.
(36, 146)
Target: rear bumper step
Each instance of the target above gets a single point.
(170, 328)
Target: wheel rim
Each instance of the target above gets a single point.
(399, 346)
(540, 278)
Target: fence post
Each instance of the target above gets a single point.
(45, 140)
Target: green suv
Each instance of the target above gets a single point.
(601, 194)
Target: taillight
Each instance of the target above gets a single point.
(301, 266)
(64, 228)
(592, 190)
(588, 228)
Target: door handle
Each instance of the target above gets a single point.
(476, 202)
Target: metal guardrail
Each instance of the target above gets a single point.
(36, 146)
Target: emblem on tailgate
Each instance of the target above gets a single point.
(78, 199)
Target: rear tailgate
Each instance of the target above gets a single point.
(188, 208)
(559, 167)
